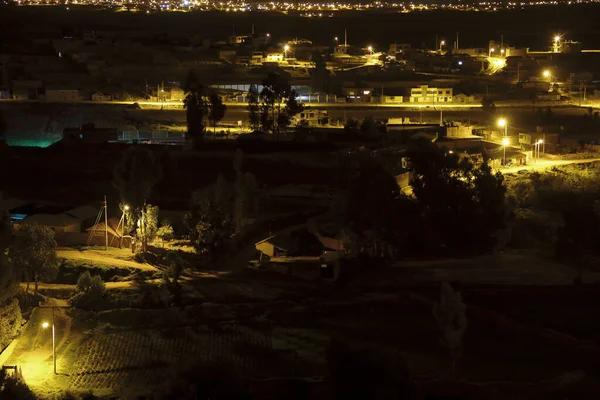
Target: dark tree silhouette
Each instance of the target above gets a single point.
(134, 177)
(278, 104)
(216, 110)
(462, 205)
(253, 108)
(196, 109)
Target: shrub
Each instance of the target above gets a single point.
(90, 291)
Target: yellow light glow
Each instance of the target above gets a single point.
(442, 42)
(286, 47)
(556, 38)
(502, 122)
(45, 325)
(492, 49)
(505, 141)
(540, 141)
(546, 73)
(126, 208)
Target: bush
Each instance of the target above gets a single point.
(90, 292)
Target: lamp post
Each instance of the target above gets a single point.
(442, 43)
(370, 48)
(504, 144)
(538, 145)
(122, 223)
(491, 51)
(285, 50)
(45, 325)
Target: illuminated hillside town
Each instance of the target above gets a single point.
(321, 9)
(299, 200)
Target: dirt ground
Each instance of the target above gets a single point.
(111, 257)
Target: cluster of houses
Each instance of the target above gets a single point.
(72, 226)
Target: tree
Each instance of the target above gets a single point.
(351, 125)
(210, 220)
(10, 311)
(89, 286)
(369, 126)
(165, 231)
(34, 252)
(149, 223)
(452, 321)
(278, 104)
(134, 176)
(196, 109)
(253, 108)
(369, 210)
(461, 205)
(245, 192)
(488, 106)
(319, 75)
(576, 240)
(213, 231)
(216, 110)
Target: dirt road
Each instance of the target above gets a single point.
(543, 164)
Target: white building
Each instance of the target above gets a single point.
(426, 94)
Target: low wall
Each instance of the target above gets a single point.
(8, 350)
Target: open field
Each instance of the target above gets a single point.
(133, 351)
(112, 257)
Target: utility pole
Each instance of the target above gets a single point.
(457, 41)
(345, 38)
(436, 41)
(105, 225)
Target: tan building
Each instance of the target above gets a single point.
(426, 94)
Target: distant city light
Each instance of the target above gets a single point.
(546, 73)
(502, 122)
(556, 38)
(460, 63)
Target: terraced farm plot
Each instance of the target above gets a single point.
(143, 359)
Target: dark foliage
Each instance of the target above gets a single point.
(461, 205)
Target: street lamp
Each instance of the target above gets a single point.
(538, 145)
(502, 123)
(547, 74)
(122, 223)
(504, 144)
(442, 43)
(285, 50)
(556, 39)
(370, 48)
(491, 51)
(45, 325)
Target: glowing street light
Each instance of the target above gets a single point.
(370, 48)
(45, 325)
(491, 51)
(538, 145)
(442, 43)
(556, 39)
(285, 50)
